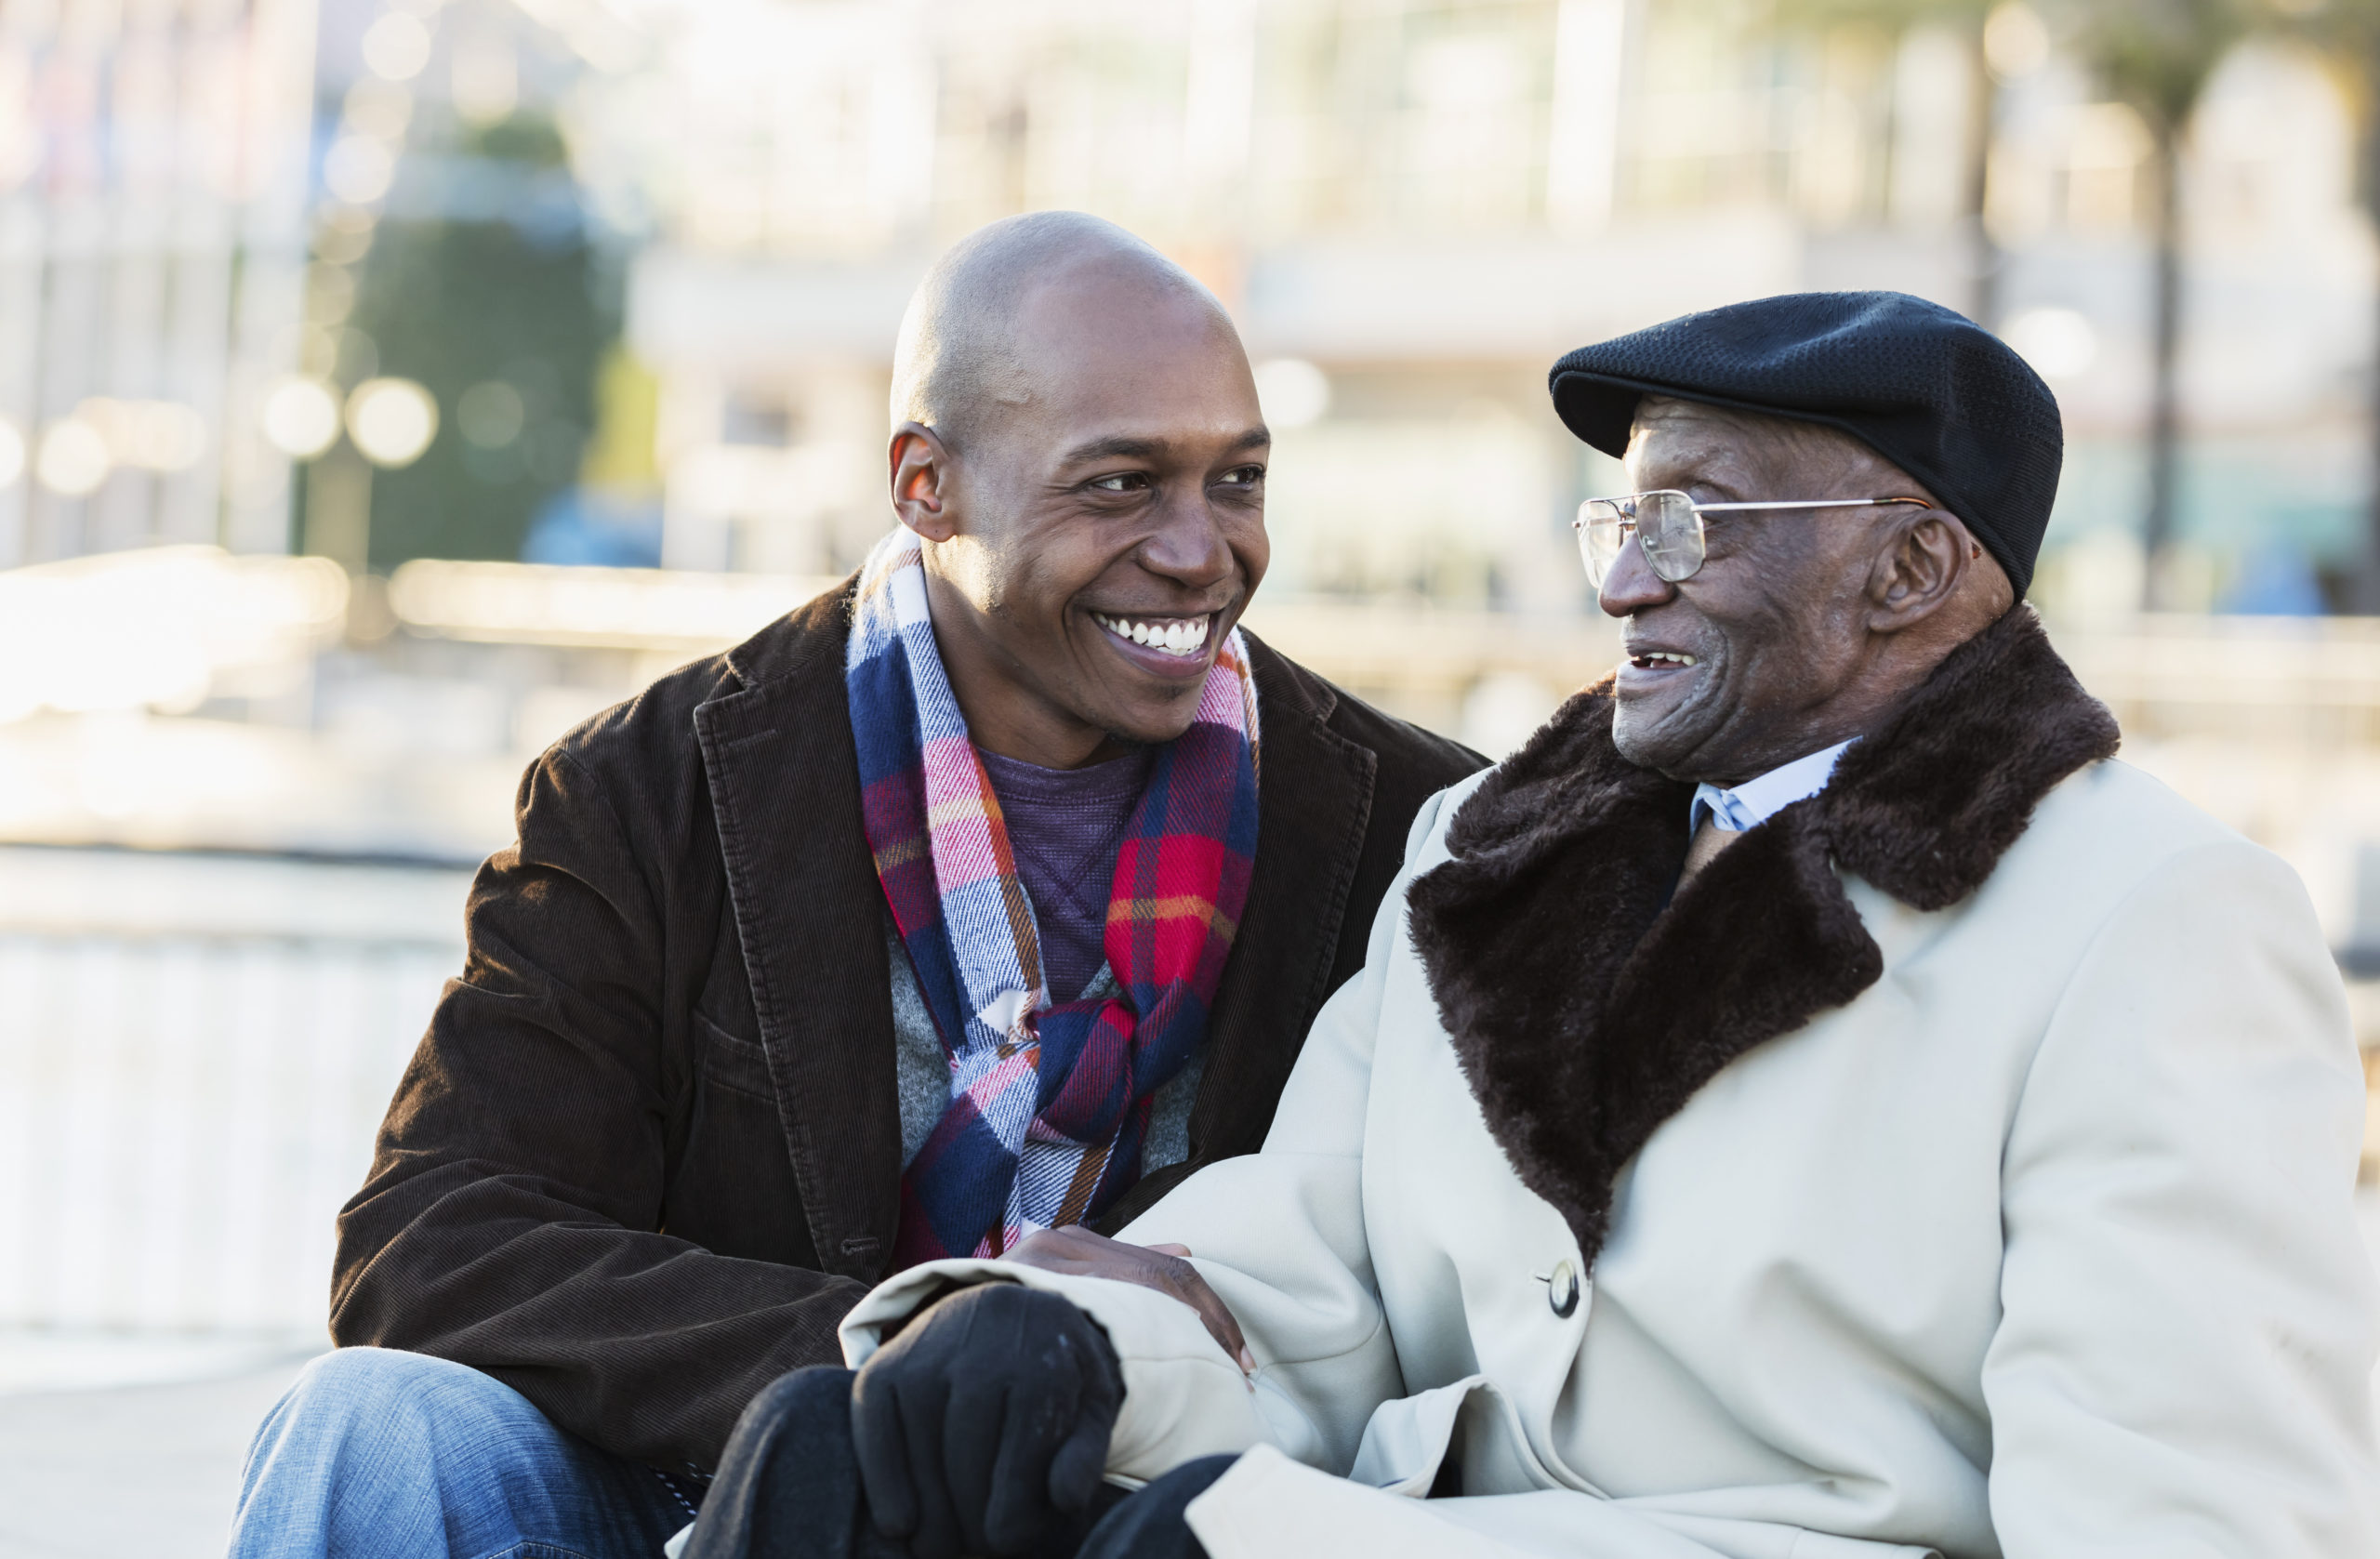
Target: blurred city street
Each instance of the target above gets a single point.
(387, 386)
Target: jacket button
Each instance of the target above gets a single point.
(1562, 1292)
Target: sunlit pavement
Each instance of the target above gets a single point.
(133, 1472)
(152, 1471)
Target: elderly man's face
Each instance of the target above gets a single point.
(1732, 671)
(1111, 524)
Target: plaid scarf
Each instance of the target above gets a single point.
(1049, 1102)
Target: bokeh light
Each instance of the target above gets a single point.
(359, 168)
(2016, 40)
(1293, 392)
(73, 458)
(391, 420)
(489, 414)
(2061, 344)
(155, 628)
(151, 435)
(301, 418)
(396, 46)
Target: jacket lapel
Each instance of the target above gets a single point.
(785, 785)
(1587, 1006)
(1314, 797)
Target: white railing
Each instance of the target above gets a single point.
(189, 1093)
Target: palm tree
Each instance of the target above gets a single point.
(1966, 19)
(2346, 33)
(2157, 56)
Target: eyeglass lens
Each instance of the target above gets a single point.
(1665, 523)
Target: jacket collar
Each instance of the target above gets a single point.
(784, 777)
(1587, 1005)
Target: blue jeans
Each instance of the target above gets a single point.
(374, 1452)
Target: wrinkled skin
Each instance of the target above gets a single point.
(1079, 1253)
(1806, 626)
(1127, 482)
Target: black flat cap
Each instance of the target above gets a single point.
(1926, 388)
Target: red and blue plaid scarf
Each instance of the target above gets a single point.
(1049, 1102)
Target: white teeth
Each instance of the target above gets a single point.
(1643, 657)
(1178, 636)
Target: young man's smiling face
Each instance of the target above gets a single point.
(1095, 530)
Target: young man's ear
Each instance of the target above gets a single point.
(921, 481)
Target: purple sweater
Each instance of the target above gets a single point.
(1066, 826)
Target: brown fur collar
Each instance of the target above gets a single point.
(1587, 1006)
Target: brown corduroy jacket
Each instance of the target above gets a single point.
(648, 1154)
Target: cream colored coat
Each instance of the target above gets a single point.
(2042, 1246)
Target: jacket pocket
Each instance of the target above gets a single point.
(733, 1190)
(735, 1062)
(1408, 1440)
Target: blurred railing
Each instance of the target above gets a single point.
(615, 608)
(2317, 676)
(194, 1054)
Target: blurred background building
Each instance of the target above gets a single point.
(385, 385)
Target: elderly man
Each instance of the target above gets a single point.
(954, 905)
(1810, 1100)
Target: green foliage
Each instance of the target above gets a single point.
(523, 299)
(1892, 15)
(2155, 55)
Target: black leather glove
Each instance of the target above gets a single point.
(983, 1427)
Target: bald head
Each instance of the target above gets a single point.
(969, 349)
(1077, 445)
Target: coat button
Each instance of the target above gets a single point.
(1562, 1292)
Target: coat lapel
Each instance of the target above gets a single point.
(1587, 1005)
(785, 785)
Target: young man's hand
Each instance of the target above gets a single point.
(984, 1425)
(1165, 1268)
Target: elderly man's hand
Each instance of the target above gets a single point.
(1165, 1268)
(984, 1426)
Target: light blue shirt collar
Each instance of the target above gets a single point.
(1756, 801)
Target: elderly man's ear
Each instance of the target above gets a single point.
(1930, 562)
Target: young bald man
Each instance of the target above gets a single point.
(993, 892)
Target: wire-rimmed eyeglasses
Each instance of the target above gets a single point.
(1669, 526)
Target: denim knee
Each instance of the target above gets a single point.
(382, 1396)
(359, 1408)
(379, 1453)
